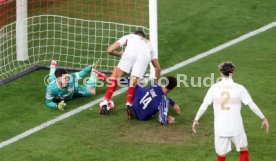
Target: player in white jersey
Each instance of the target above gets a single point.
(227, 98)
(134, 60)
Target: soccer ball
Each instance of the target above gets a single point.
(111, 105)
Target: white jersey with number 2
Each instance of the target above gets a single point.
(227, 98)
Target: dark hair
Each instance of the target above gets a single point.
(226, 68)
(60, 72)
(171, 82)
(140, 32)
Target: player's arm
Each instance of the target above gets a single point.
(157, 68)
(175, 106)
(164, 119)
(155, 62)
(50, 103)
(49, 99)
(112, 50)
(247, 100)
(203, 107)
(53, 67)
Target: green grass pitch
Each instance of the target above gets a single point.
(186, 28)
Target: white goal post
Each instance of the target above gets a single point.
(21, 30)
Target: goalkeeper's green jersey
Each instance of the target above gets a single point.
(54, 92)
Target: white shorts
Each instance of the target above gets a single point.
(137, 63)
(223, 144)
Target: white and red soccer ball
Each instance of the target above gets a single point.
(110, 105)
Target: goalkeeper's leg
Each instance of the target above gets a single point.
(82, 91)
(92, 81)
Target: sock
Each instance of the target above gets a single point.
(100, 75)
(244, 156)
(112, 86)
(220, 158)
(130, 94)
(92, 81)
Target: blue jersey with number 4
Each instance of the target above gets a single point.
(148, 101)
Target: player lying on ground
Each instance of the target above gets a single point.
(227, 97)
(136, 57)
(63, 86)
(148, 101)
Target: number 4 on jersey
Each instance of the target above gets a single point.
(146, 100)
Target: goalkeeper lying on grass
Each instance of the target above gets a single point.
(63, 86)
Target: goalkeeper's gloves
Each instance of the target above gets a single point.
(61, 105)
(92, 81)
(53, 63)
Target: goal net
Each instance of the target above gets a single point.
(74, 32)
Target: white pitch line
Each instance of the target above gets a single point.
(165, 71)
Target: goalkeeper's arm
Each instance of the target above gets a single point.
(53, 66)
(51, 103)
(50, 94)
(50, 97)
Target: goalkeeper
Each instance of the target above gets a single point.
(63, 86)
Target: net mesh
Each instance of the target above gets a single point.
(73, 32)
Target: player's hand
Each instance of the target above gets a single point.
(195, 124)
(170, 120)
(120, 53)
(61, 105)
(265, 125)
(53, 63)
(177, 109)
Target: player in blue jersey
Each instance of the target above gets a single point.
(63, 86)
(148, 101)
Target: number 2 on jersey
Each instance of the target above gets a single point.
(226, 97)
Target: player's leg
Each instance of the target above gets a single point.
(138, 71)
(131, 89)
(113, 82)
(222, 146)
(82, 91)
(123, 67)
(111, 88)
(92, 81)
(244, 155)
(130, 94)
(241, 146)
